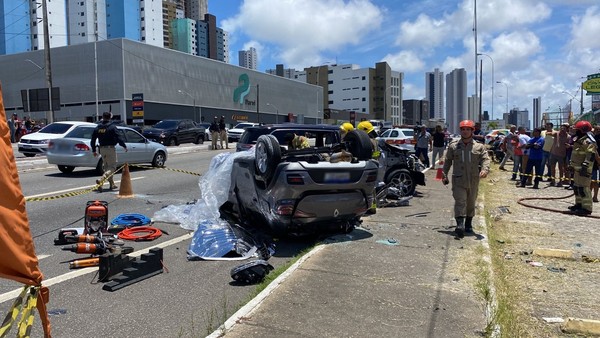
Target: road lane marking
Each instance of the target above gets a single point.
(77, 273)
(74, 189)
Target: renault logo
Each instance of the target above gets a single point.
(336, 213)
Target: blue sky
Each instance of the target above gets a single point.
(538, 48)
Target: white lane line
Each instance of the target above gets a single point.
(73, 189)
(40, 257)
(76, 273)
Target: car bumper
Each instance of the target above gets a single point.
(73, 160)
(32, 149)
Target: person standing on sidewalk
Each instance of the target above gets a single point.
(558, 154)
(223, 133)
(507, 146)
(469, 161)
(13, 130)
(582, 161)
(424, 142)
(214, 133)
(535, 145)
(439, 145)
(548, 137)
(107, 135)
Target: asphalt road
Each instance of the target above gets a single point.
(191, 298)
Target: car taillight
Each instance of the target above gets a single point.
(295, 179)
(81, 147)
(284, 207)
(302, 214)
(50, 145)
(372, 176)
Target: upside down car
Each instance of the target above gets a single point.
(327, 186)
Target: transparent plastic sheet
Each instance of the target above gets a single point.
(214, 189)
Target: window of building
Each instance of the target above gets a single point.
(330, 102)
(363, 78)
(82, 34)
(141, 9)
(364, 99)
(364, 88)
(330, 82)
(330, 92)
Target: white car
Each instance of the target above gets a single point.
(37, 143)
(74, 150)
(402, 137)
(236, 132)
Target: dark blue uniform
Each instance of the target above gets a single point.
(107, 135)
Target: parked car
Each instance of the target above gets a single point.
(74, 150)
(403, 137)
(302, 191)
(37, 143)
(318, 135)
(491, 136)
(175, 132)
(236, 132)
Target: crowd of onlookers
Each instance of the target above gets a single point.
(21, 127)
(544, 156)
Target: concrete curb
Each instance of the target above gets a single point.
(554, 253)
(255, 303)
(582, 326)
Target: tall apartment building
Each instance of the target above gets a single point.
(185, 38)
(519, 118)
(172, 9)
(537, 112)
(415, 111)
(456, 98)
(279, 70)
(248, 58)
(365, 91)
(434, 93)
(473, 108)
(87, 21)
(196, 9)
(213, 42)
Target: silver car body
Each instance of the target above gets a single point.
(236, 132)
(70, 152)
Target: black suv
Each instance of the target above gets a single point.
(175, 132)
(251, 134)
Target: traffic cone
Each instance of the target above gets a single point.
(125, 190)
(440, 172)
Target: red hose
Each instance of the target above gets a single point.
(140, 233)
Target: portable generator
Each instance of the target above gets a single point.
(96, 218)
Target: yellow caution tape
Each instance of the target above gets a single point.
(28, 297)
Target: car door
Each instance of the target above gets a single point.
(185, 132)
(136, 147)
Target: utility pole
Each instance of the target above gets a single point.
(50, 112)
(480, 90)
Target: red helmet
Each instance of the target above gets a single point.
(584, 126)
(467, 124)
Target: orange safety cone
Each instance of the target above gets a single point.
(125, 190)
(440, 172)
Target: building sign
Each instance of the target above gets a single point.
(137, 107)
(242, 90)
(592, 85)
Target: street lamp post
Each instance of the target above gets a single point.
(276, 112)
(492, 81)
(505, 85)
(193, 99)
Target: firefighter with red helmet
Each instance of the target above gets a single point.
(582, 161)
(469, 161)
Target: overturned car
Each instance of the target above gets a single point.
(325, 187)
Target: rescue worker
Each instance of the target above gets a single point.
(295, 141)
(345, 128)
(580, 165)
(367, 127)
(223, 132)
(108, 137)
(470, 162)
(214, 132)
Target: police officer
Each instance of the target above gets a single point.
(108, 137)
(582, 161)
(214, 132)
(470, 162)
(223, 132)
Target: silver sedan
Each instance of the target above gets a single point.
(74, 150)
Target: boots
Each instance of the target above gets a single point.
(460, 227)
(469, 225)
(577, 206)
(536, 184)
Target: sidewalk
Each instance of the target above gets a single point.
(402, 274)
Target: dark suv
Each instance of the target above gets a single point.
(251, 134)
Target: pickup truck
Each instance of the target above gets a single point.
(174, 132)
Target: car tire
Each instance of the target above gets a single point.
(159, 159)
(359, 144)
(406, 183)
(172, 142)
(199, 140)
(267, 156)
(29, 154)
(66, 169)
(99, 169)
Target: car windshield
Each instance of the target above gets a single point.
(408, 132)
(242, 125)
(81, 132)
(166, 124)
(56, 128)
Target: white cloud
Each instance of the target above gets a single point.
(495, 16)
(513, 49)
(305, 29)
(586, 29)
(424, 32)
(405, 61)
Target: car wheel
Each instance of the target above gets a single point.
(29, 155)
(402, 180)
(199, 140)
(359, 144)
(67, 169)
(99, 169)
(159, 159)
(172, 142)
(268, 156)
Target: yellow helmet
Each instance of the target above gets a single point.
(366, 126)
(346, 127)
